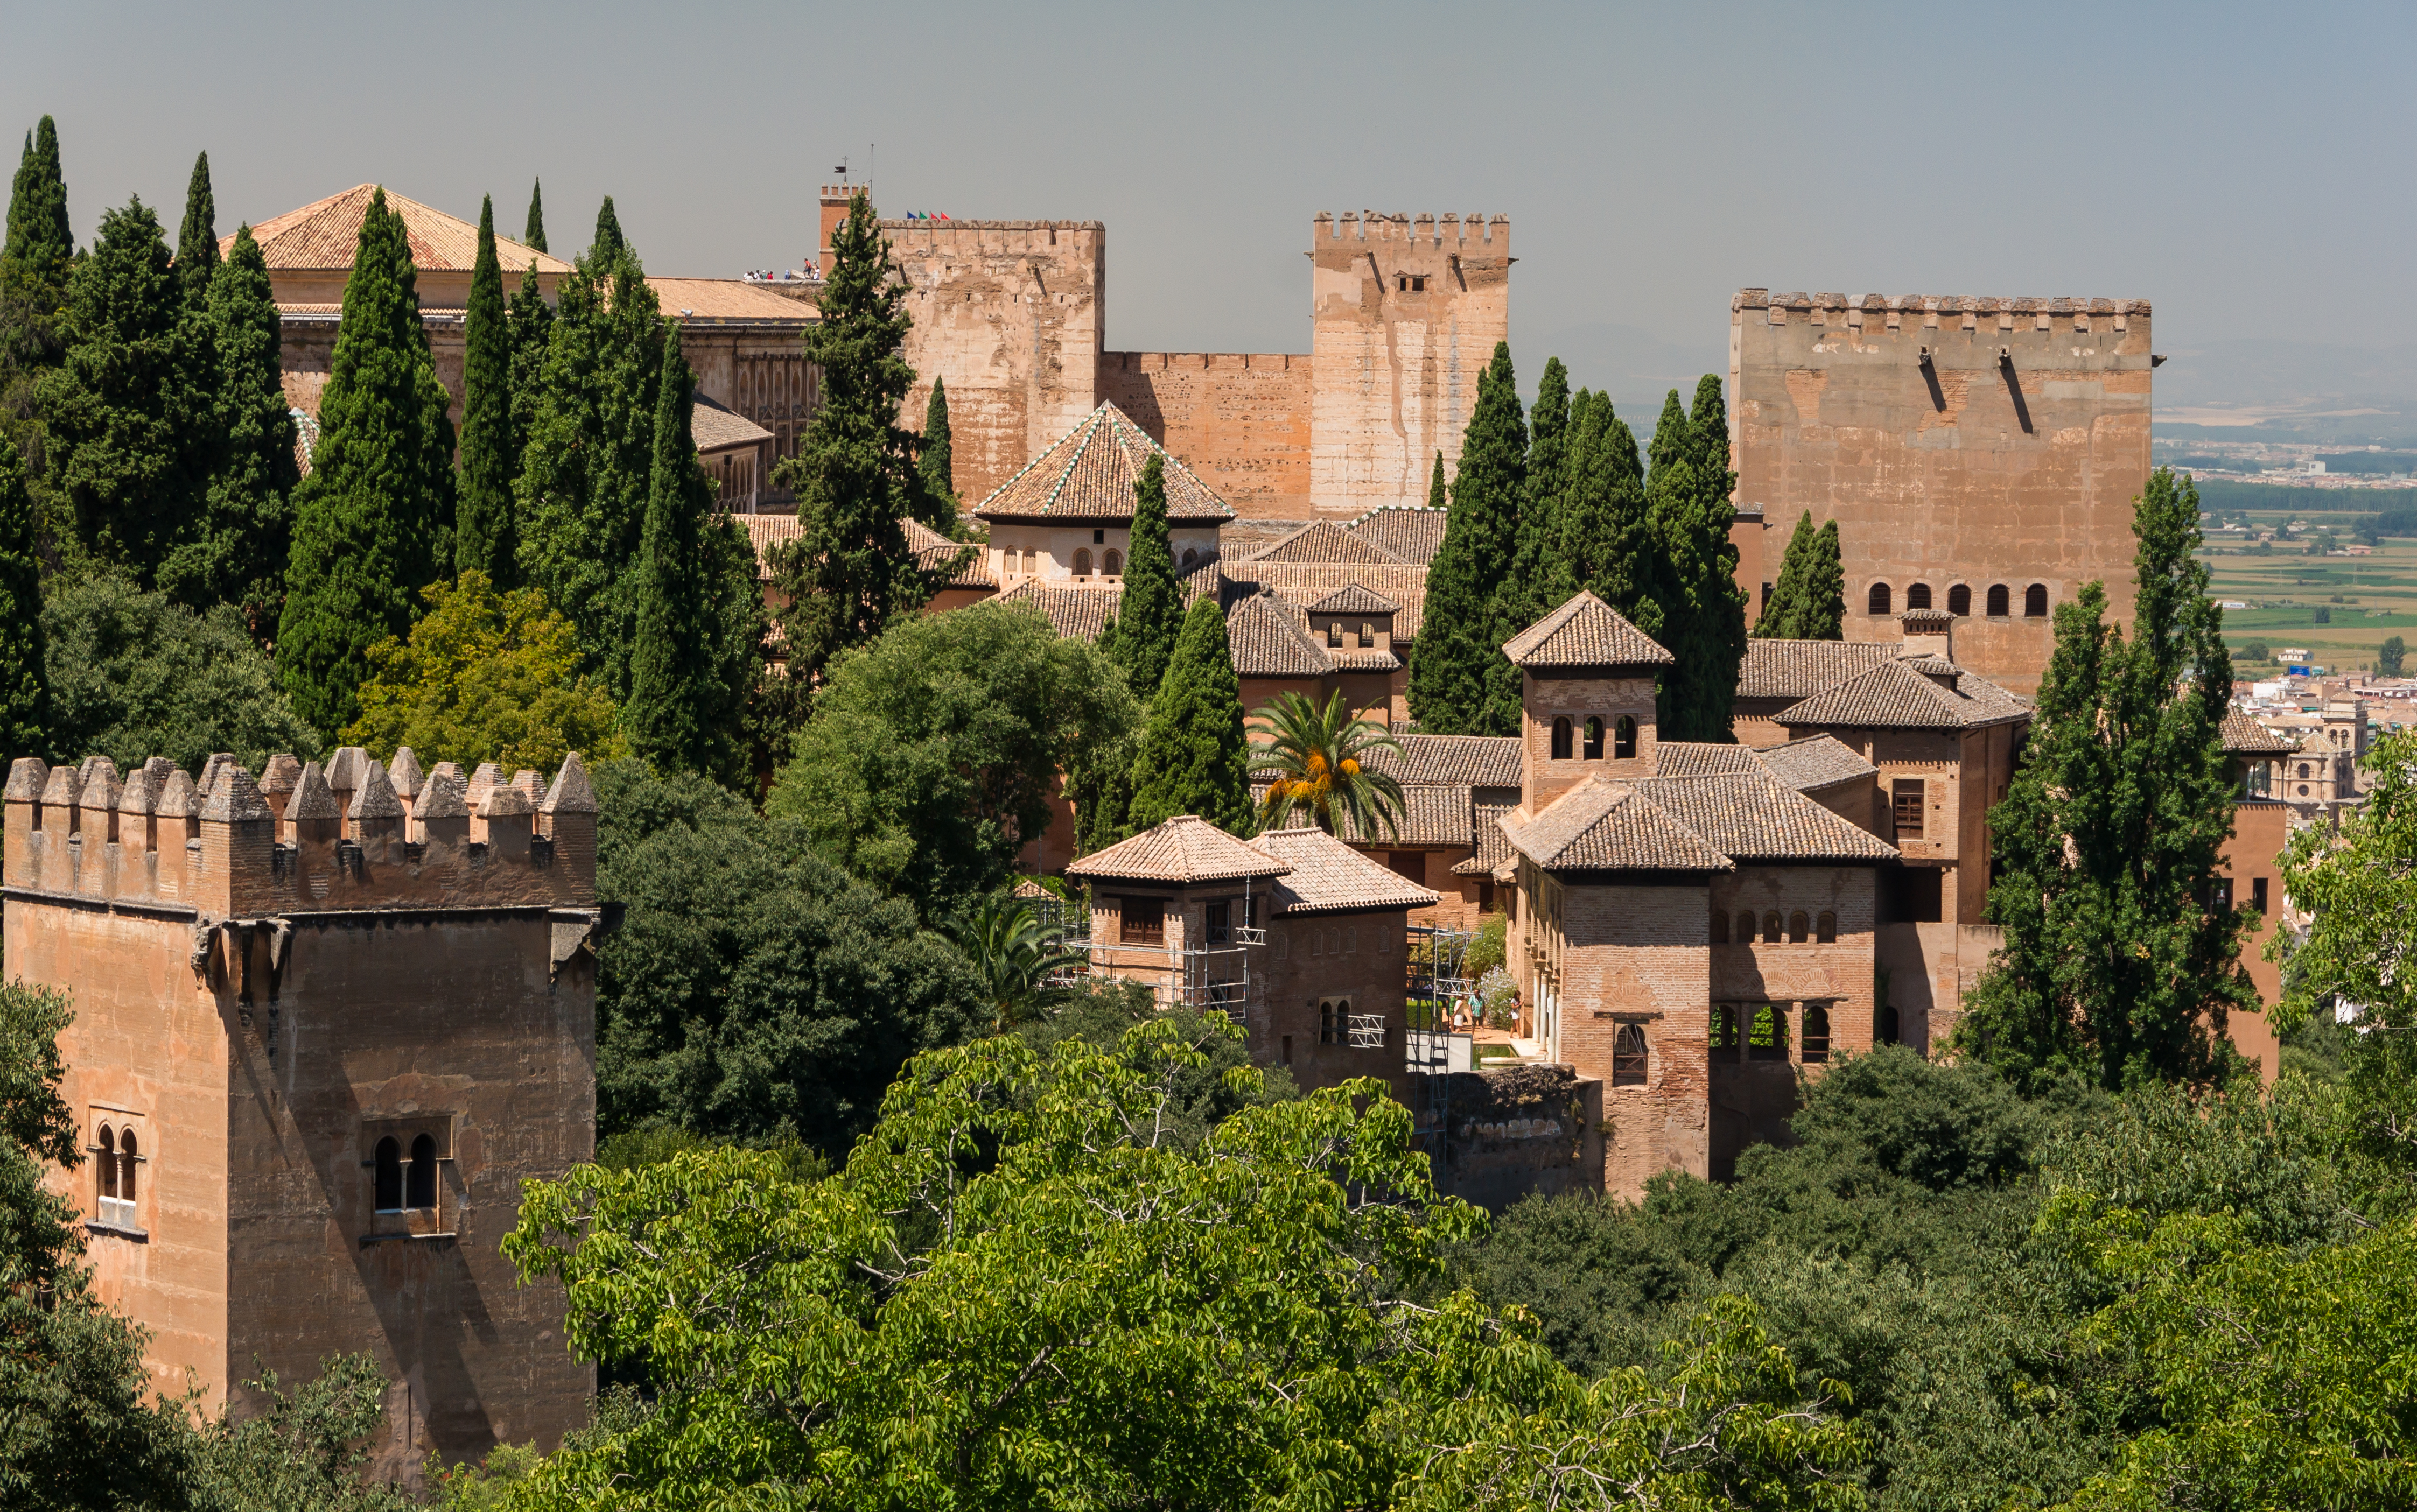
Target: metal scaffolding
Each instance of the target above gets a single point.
(1438, 978)
(1216, 973)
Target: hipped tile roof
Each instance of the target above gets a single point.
(715, 427)
(1306, 582)
(1749, 816)
(2245, 736)
(1480, 760)
(324, 234)
(1271, 638)
(1353, 599)
(932, 550)
(728, 302)
(1412, 533)
(1799, 669)
(1702, 758)
(1323, 875)
(1184, 849)
(1430, 816)
(1078, 614)
(1815, 762)
(1585, 632)
(1605, 825)
(1894, 696)
(1493, 840)
(1325, 541)
(1090, 473)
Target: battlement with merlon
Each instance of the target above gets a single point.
(299, 838)
(1434, 230)
(1892, 309)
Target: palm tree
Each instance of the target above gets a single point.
(1320, 759)
(1016, 956)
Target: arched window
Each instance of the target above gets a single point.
(1594, 738)
(1880, 599)
(1917, 596)
(1628, 1056)
(1720, 927)
(1113, 564)
(1815, 1040)
(104, 1167)
(1765, 1038)
(1825, 928)
(423, 1172)
(1083, 563)
(2303, 769)
(1998, 601)
(1800, 928)
(1959, 600)
(1724, 1031)
(1367, 637)
(1561, 741)
(1189, 556)
(1745, 929)
(1772, 929)
(1334, 635)
(1623, 738)
(389, 1176)
(125, 1163)
(2035, 602)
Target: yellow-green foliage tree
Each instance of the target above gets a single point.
(485, 677)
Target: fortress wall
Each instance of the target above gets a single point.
(1241, 421)
(1956, 441)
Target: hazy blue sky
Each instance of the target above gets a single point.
(2245, 167)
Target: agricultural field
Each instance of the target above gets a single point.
(2364, 599)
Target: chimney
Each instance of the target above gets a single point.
(1928, 632)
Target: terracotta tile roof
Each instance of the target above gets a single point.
(1430, 816)
(1480, 760)
(1815, 762)
(1306, 582)
(934, 551)
(1585, 632)
(1183, 850)
(1349, 660)
(1605, 825)
(1079, 613)
(1090, 473)
(323, 233)
(2245, 736)
(767, 534)
(1493, 842)
(1699, 758)
(717, 429)
(1325, 541)
(1353, 599)
(1894, 696)
(1322, 875)
(1799, 669)
(1750, 816)
(727, 301)
(1412, 533)
(1271, 638)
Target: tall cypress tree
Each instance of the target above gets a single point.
(1524, 596)
(25, 712)
(1194, 756)
(533, 234)
(483, 538)
(40, 237)
(118, 412)
(371, 521)
(683, 710)
(34, 265)
(2107, 847)
(532, 328)
(609, 242)
(1809, 600)
(1149, 615)
(849, 570)
(937, 466)
(587, 457)
(1699, 608)
(197, 239)
(1783, 611)
(1452, 661)
(1437, 498)
(236, 550)
(1602, 517)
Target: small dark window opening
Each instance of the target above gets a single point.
(1594, 740)
(389, 1176)
(1623, 739)
(1825, 928)
(1561, 741)
(126, 1164)
(423, 1172)
(1720, 926)
(1772, 929)
(1917, 596)
(1189, 556)
(1998, 600)
(1800, 928)
(1141, 921)
(1906, 803)
(1083, 562)
(1889, 1031)
(1418, 284)
(1724, 1031)
(1219, 922)
(1880, 599)
(1099, 538)
(1628, 1056)
(1745, 929)
(1766, 1039)
(1114, 564)
(2035, 602)
(1816, 1034)
(105, 1168)
(1959, 600)
(2257, 894)
(1410, 864)
(1335, 633)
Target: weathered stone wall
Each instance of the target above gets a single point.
(1008, 313)
(1406, 316)
(2011, 456)
(1519, 1130)
(1241, 421)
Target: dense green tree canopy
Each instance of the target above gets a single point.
(1526, 595)
(1603, 521)
(1809, 600)
(34, 265)
(235, 553)
(931, 755)
(25, 698)
(485, 677)
(483, 538)
(1691, 593)
(1194, 758)
(1149, 612)
(1453, 685)
(936, 462)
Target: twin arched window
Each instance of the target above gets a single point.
(1568, 740)
(1797, 929)
(403, 1185)
(114, 1166)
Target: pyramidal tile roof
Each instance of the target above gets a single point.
(1354, 598)
(1269, 638)
(1325, 876)
(1090, 473)
(1814, 762)
(1410, 532)
(1895, 695)
(2245, 736)
(1799, 669)
(323, 233)
(1324, 541)
(1184, 849)
(1585, 632)
(1602, 825)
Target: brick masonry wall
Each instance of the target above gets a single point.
(1239, 421)
(1753, 1100)
(1358, 956)
(1546, 697)
(1831, 412)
